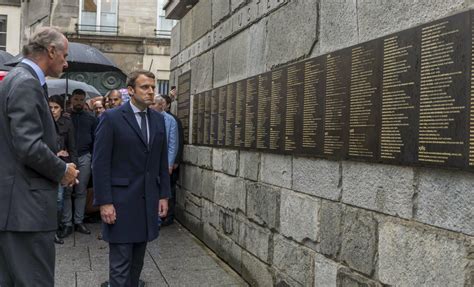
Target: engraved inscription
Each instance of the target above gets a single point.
(276, 117)
(230, 116)
(262, 114)
(250, 113)
(221, 115)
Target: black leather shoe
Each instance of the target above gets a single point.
(65, 231)
(81, 227)
(58, 240)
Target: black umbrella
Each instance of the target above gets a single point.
(5, 57)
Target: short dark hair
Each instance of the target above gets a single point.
(132, 77)
(167, 99)
(78, 92)
(57, 99)
(173, 87)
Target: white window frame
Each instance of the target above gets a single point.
(97, 16)
(162, 13)
(6, 31)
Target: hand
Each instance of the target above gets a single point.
(63, 153)
(163, 207)
(107, 213)
(70, 177)
(170, 170)
(175, 166)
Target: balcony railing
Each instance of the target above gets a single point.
(163, 33)
(97, 29)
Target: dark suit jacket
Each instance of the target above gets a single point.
(130, 174)
(66, 140)
(29, 168)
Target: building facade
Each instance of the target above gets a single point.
(133, 34)
(286, 219)
(10, 26)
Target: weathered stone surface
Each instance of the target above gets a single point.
(359, 243)
(193, 223)
(202, 69)
(345, 277)
(445, 199)
(330, 228)
(263, 204)
(412, 256)
(186, 37)
(384, 188)
(202, 20)
(325, 271)
(285, 29)
(338, 25)
(276, 170)
(256, 47)
(294, 260)
(191, 178)
(230, 192)
(256, 240)
(240, 54)
(255, 272)
(374, 23)
(175, 40)
(217, 159)
(220, 9)
(299, 216)
(236, 4)
(318, 177)
(204, 157)
(190, 154)
(180, 196)
(231, 225)
(207, 184)
(230, 162)
(210, 213)
(249, 165)
(209, 236)
(221, 64)
(193, 205)
(230, 252)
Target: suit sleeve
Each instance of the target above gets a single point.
(165, 187)
(173, 142)
(25, 107)
(71, 142)
(102, 161)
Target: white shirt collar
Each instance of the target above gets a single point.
(37, 69)
(135, 109)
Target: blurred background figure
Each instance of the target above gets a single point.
(114, 98)
(98, 107)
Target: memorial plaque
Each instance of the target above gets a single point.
(263, 110)
(214, 117)
(207, 118)
(230, 116)
(336, 104)
(221, 115)
(184, 102)
(251, 113)
(201, 113)
(240, 102)
(364, 103)
(294, 106)
(195, 119)
(443, 117)
(313, 107)
(471, 108)
(277, 110)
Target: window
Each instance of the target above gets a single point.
(99, 16)
(163, 25)
(3, 32)
(162, 87)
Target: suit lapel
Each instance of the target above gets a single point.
(152, 121)
(132, 121)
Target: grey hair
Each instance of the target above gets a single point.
(158, 98)
(42, 39)
(112, 91)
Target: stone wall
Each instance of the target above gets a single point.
(295, 221)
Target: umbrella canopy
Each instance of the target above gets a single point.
(58, 87)
(5, 57)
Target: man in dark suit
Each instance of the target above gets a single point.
(30, 171)
(131, 181)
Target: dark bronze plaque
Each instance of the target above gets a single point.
(195, 119)
(214, 117)
(221, 115)
(240, 99)
(251, 113)
(184, 102)
(263, 111)
(207, 118)
(201, 113)
(365, 100)
(336, 104)
(471, 108)
(277, 110)
(230, 116)
(294, 107)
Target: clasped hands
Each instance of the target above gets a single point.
(70, 177)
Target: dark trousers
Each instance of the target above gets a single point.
(125, 263)
(172, 201)
(27, 259)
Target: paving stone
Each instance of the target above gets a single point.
(263, 204)
(202, 20)
(330, 228)
(220, 9)
(325, 272)
(445, 199)
(385, 188)
(293, 260)
(299, 216)
(230, 162)
(64, 279)
(217, 159)
(230, 192)
(255, 271)
(202, 70)
(359, 243)
(374, 23)
(318, 177)
(211, 277)
(414, 256)
(249, 165)
(73, 259)
(276, 170)
(285, 29)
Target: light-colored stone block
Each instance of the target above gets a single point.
(256, 48)
(202, 20)
(207, 184)
(191, 178)
(175, 40)
(230, 192)
(230, 162)
(255, 272)
(204, 157)
(249, 165)
(190, 154)
(186, 32)
(202, 69)
(325, 272)
(346, 277)
(220, 9)
(230, 252)
(384, 188)
(318, 177)
(446, 199)
(286, 28)
(210, 213)
(412, 256)
(293, 260)
(276, 169)
(221, 64)
(240, 53)
(217, 159)
(256, 240)
(263, 204)
(299, 216)
(393, 16)
(330, 228)
(236, 4)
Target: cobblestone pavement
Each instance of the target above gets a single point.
(176, 258)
